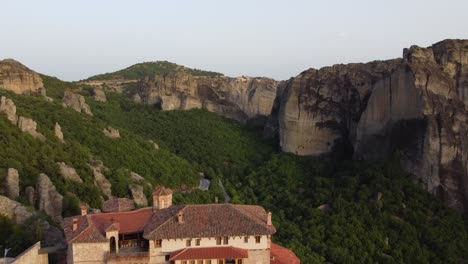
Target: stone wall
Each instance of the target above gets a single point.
(32, 256)
(89, 253)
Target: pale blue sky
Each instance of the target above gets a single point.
(277, 39)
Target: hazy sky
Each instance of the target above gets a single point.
(76, 39)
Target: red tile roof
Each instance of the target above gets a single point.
(118, 205)
(209, 253)
(281, 255)
(160, 190)
(213, 220)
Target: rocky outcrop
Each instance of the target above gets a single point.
(416, 106)
(48, 199)
(69, 173)
(8, 107)
(138, 195)
(100, 180)
(58, 132)
(240, 98)
(99, 94)
(111, 132)
(136, 177)
(30, 195)
(76, 102)
(11, 184)
(14, 210)
(29, 126)
(17, 78)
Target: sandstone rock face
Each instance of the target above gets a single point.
(30, 195)
(240, 98)
(8, 107)
(69, 173)
(14, 210)
(12, 184)
(111, 132)
(100, 180)
(99, 94)
(28, 125)
(76, 102)
(416, 106)
(17, 78)
(48, 199)
(136, 177)
(58, 132)
(138, 195)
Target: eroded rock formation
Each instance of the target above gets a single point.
(48, 198)
(415, 106)
(100, 180)
(17, 78)
(29, 126)
(138, 195)
(69, 173)
(240, 98)
(76, 102)
(14, 210)
(58, 132)
(11, 184)
(111, 132)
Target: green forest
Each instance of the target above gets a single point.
(370, 212)
(144, 69)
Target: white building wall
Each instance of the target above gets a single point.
(89, 253)
(170, 245)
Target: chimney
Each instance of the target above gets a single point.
(84, 209)
(216, 199)
(180, 217)
(269, 219)
(75, 224)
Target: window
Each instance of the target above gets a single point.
(225, 240)
(168, 257)
(197, 243)
(218, 241)
(246, 239)
(220, 261)
(157, 243)
(208, 261)
(239, 261)
(257, 239)
(188, 242)
(199, 261)
(192, 261)
(184, 262)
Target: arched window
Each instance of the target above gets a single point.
(113, 245)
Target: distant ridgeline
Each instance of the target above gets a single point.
(107, 137)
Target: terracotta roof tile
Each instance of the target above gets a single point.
(129, 222)
(281, 255)
(161, 190)
(213, 220)
(209, 253)
(118, 205)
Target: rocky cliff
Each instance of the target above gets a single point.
(240, 98)
(16, 77)
(415, 106)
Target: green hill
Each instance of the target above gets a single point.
(404, 225)
(144, 69)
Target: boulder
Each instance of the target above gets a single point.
(138, 195)
(100, 180)
(69, 173)
(58, 132)
(29, 126)
(111, 132)
(156, 146)
(136, 177)
(8, 107)
(14, 210)
(12, 184)
(48, 199)
(76, 102)
(17, 78)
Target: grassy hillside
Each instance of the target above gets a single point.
(406, 225)
(141, 70)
